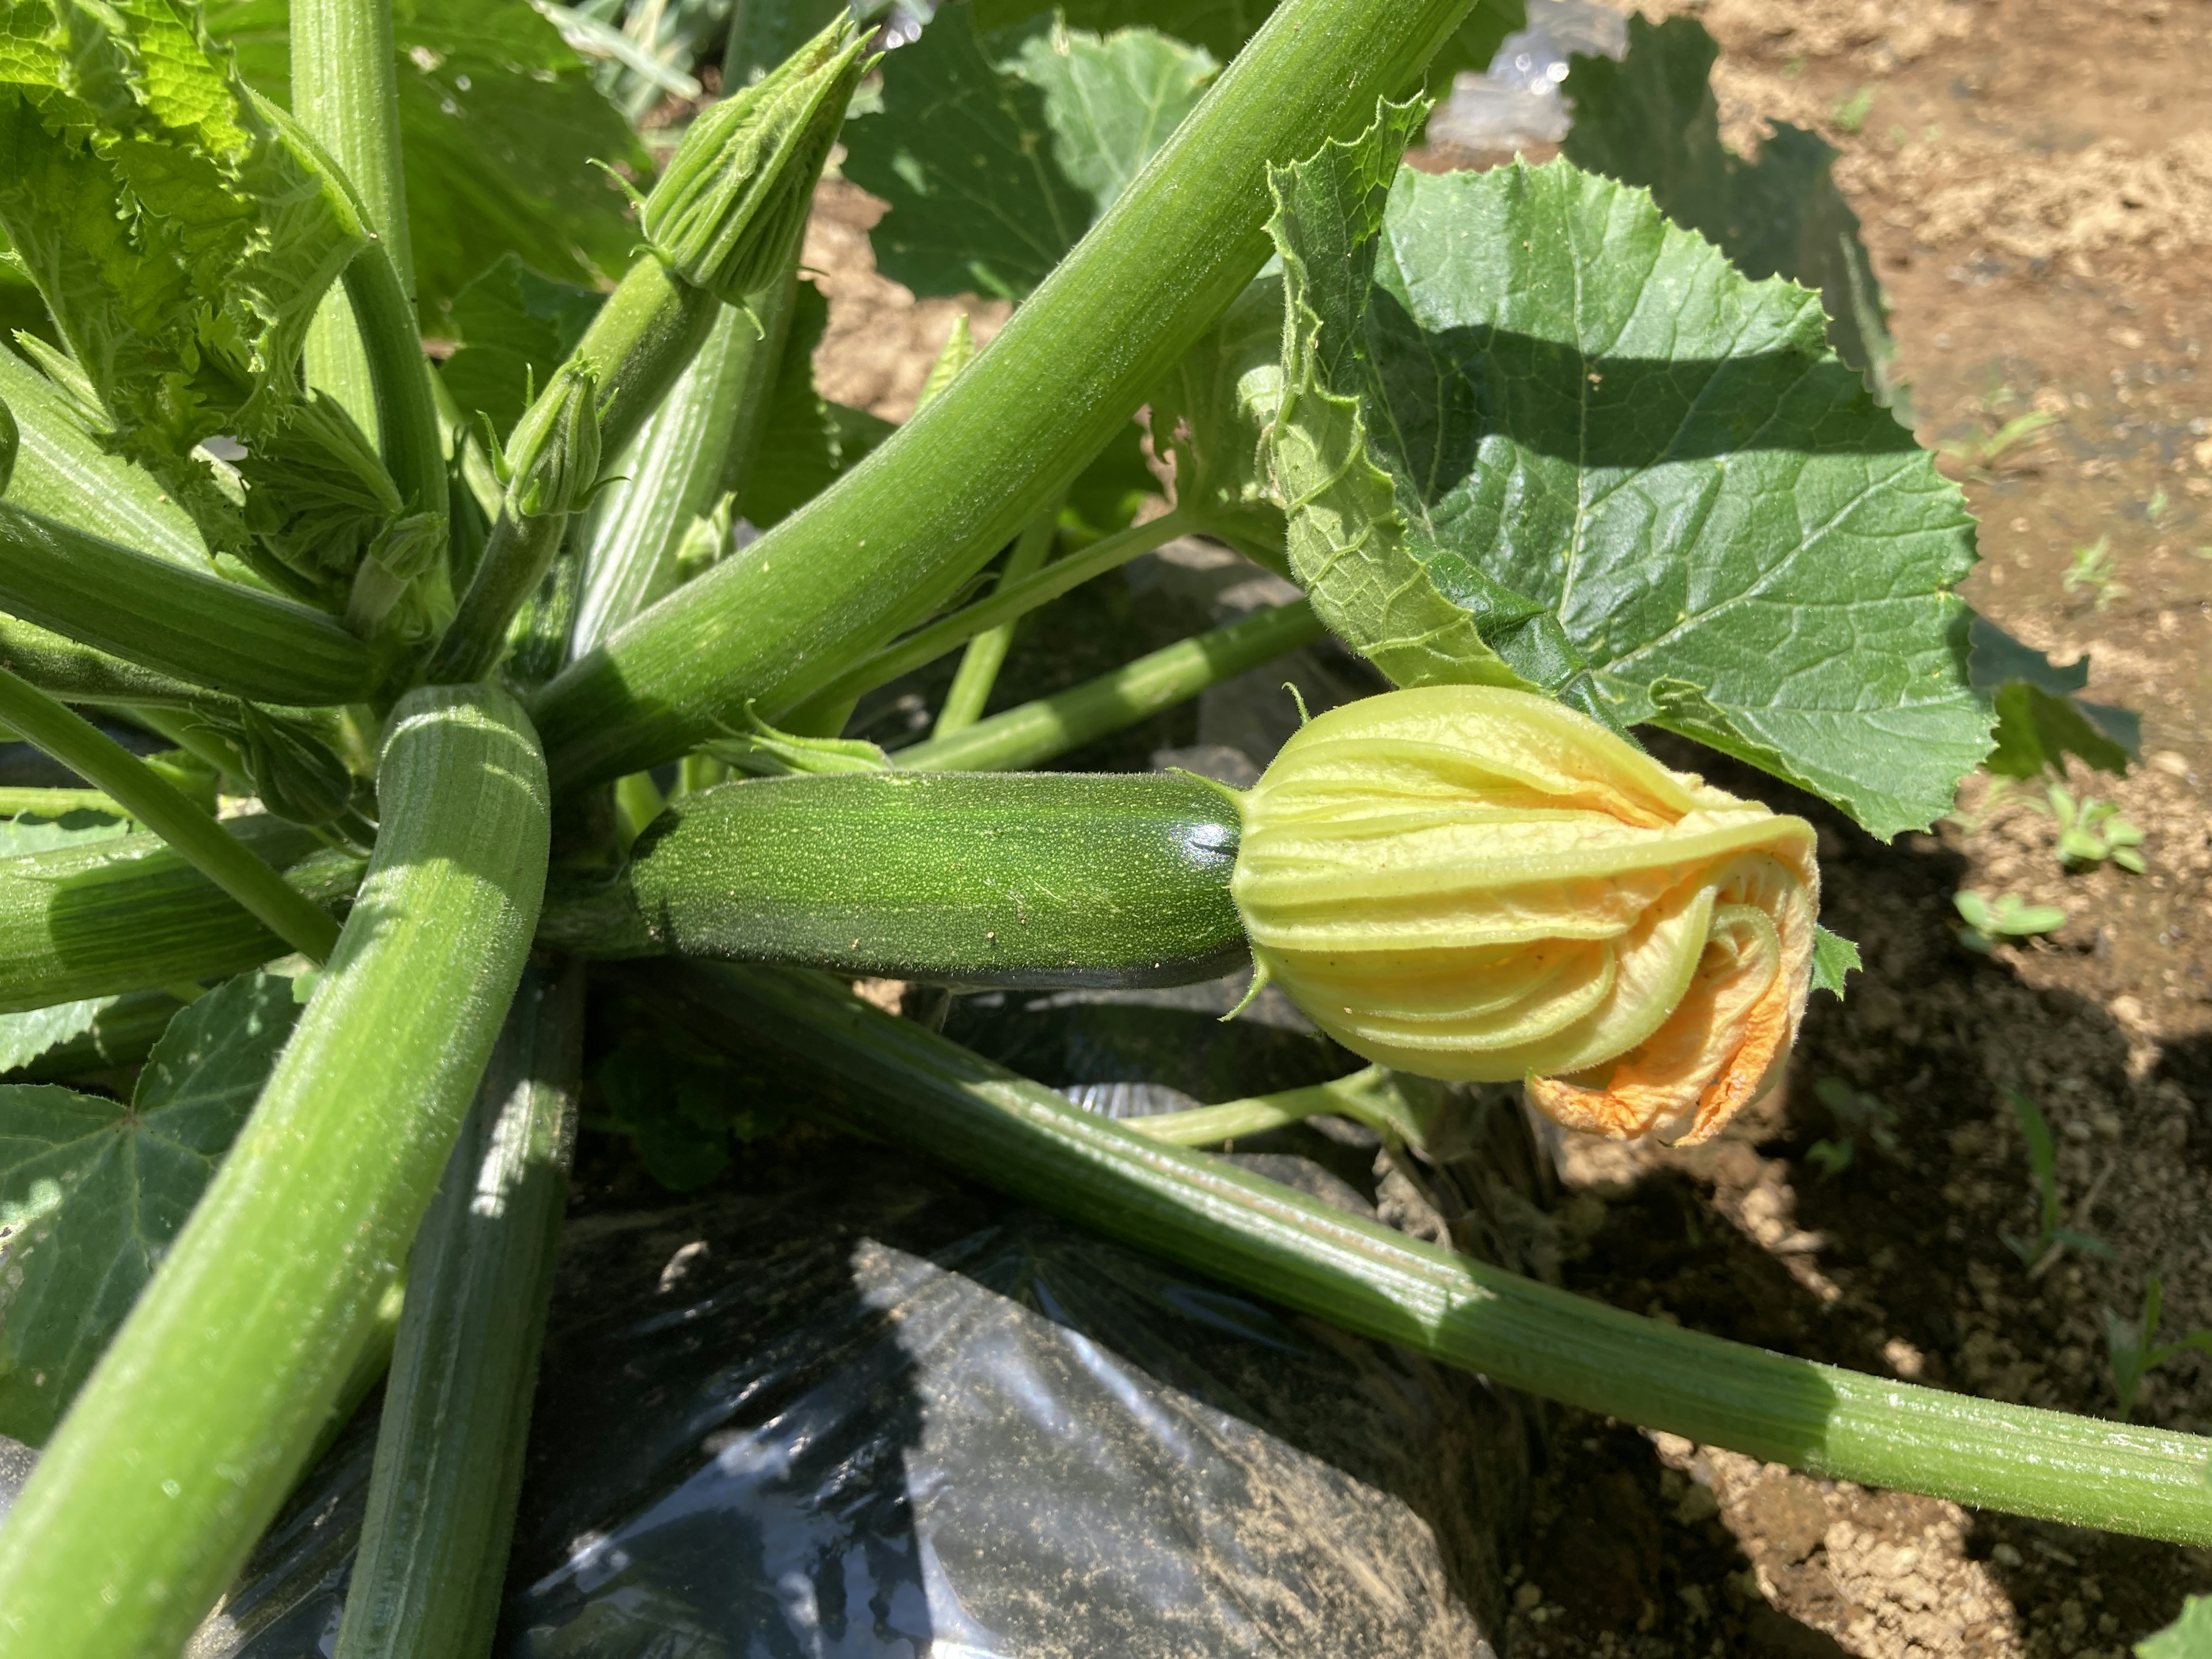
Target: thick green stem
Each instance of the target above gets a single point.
(441, 1497)
(178, 621)
(699, 444)
(157, 804)
(62, 473)
(345, 93)
(103, 918)
(62, 668)
(970, 691)
(1041, 731)
(909, 1085)
(188, 1434)
(899, 534)
(1009, 601)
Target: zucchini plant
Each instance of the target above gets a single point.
(470, 632)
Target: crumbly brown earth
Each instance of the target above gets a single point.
(2035, 180)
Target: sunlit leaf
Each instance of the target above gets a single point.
(1535, 435)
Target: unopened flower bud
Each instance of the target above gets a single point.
(553, 459)
(729, 207)
(1470, 882)
(293, 772)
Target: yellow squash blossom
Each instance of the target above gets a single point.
(1465, 882)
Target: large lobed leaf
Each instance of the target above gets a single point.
(1533, 434)
(996, 150)
(182, 241)
(93, 1191)
(1651, 119)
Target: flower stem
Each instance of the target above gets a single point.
(900, 1081)
(1038, 731)
(135, 787)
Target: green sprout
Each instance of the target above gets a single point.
(2133, 1350)
(2091, 831)
(1850, 113)
(1858, 1115)
(2096, 568)
(2010, 916)
(1982, 454)
(2052, 1238)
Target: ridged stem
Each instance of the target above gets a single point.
(910, 1086)
(897, 536)
(157, 804)
(441, 1496)
(191, 624)
(63, 669)
(194, 1424)
(1038, 731)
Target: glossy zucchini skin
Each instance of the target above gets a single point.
(1024, 880)
(111, 916)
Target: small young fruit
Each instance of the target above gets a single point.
(1471, 883)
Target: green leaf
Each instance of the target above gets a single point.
(92, 1192)
(1111, 102)
(1557, 442)
(182, 244)
(996, 151)
(1833, 957)
(25, 1036)
(1211, 414)
(2040, 720)
(515, 327)
(500, 124)
(27, 834)
(1651, 119)
(2189, 1637)
(805, 440)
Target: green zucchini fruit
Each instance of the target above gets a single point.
(109, 916)
(200, 1415)
(1022, 879)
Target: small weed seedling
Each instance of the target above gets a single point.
(2096, 568)
(1983, 454)
(2010, 916)
(2051, 1239)
(1851, 113)
(2133, 1348)
(2091, 831)
(1858, 1115)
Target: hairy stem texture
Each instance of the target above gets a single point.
(175, 620)
(900, 533)
(186, 1437)
(911, 1086)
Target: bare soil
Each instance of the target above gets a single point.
(2035, 181)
